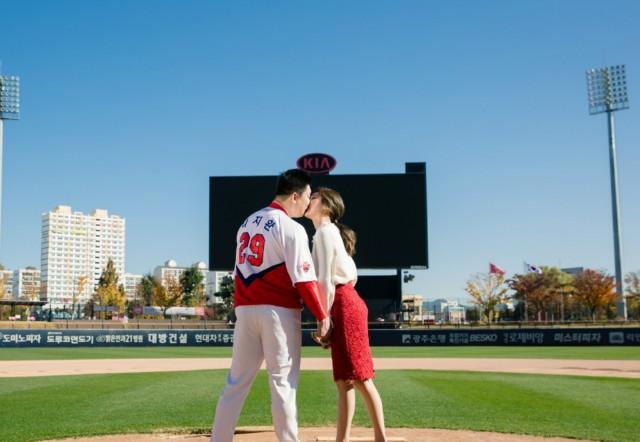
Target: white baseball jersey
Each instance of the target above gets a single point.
(272, 255)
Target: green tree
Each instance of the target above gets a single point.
(192, 282)
(144, 289)
(227, 290)
(472, 314)
(487, 290)
(109, 275)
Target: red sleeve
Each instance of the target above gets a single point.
(309, 293)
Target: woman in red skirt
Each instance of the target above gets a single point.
(333, 246)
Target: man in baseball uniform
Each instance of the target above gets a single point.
(274, 273)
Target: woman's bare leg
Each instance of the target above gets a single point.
(346, 408)
(374, 406)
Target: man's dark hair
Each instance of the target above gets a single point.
(292, 180)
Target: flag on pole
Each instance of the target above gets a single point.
(495, 269)
(530, 268)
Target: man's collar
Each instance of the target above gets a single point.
(276, 205)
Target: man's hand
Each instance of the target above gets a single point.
(324, 329)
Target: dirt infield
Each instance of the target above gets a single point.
(266, 434)
(609, 368)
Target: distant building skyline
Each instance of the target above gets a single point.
(26, 283)
(131, 281)
(170, 269)
(75, 246)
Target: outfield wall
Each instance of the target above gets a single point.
(396, 337)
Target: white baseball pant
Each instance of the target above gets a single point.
(262, 333)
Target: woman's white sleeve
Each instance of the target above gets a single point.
(325, 252)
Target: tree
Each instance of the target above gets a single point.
(168, 294)
(472, 315)
(487, 290)
(529, 290)
(595, 291)
(633, 283)
(633, 294)
(44, 296)
(109, 292)
(80, 285)
(109, 275)
(144, 289)
(192, 283)
(227, 290)
(89, 308)
(2, 284)
(559, 287)
(111, 296)
(31, 294)
(544, 292)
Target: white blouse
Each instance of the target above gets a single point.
(332, 263)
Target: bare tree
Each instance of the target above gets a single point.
(633, 294)
(633, 283)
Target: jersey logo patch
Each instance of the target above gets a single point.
(306, 266)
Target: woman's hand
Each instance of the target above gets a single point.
(324, 340)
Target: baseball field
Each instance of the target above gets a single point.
(596, 397)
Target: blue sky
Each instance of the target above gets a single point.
(131, 105)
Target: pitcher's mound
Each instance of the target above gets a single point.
(266, 434)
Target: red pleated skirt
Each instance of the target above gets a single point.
(350, 351)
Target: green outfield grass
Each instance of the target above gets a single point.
(580, 407)
(628, 353)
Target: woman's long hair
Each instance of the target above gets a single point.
(332, 200)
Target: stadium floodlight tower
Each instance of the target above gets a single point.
(607, 90)
(9, 110)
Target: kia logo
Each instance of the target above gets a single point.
(317, 163)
